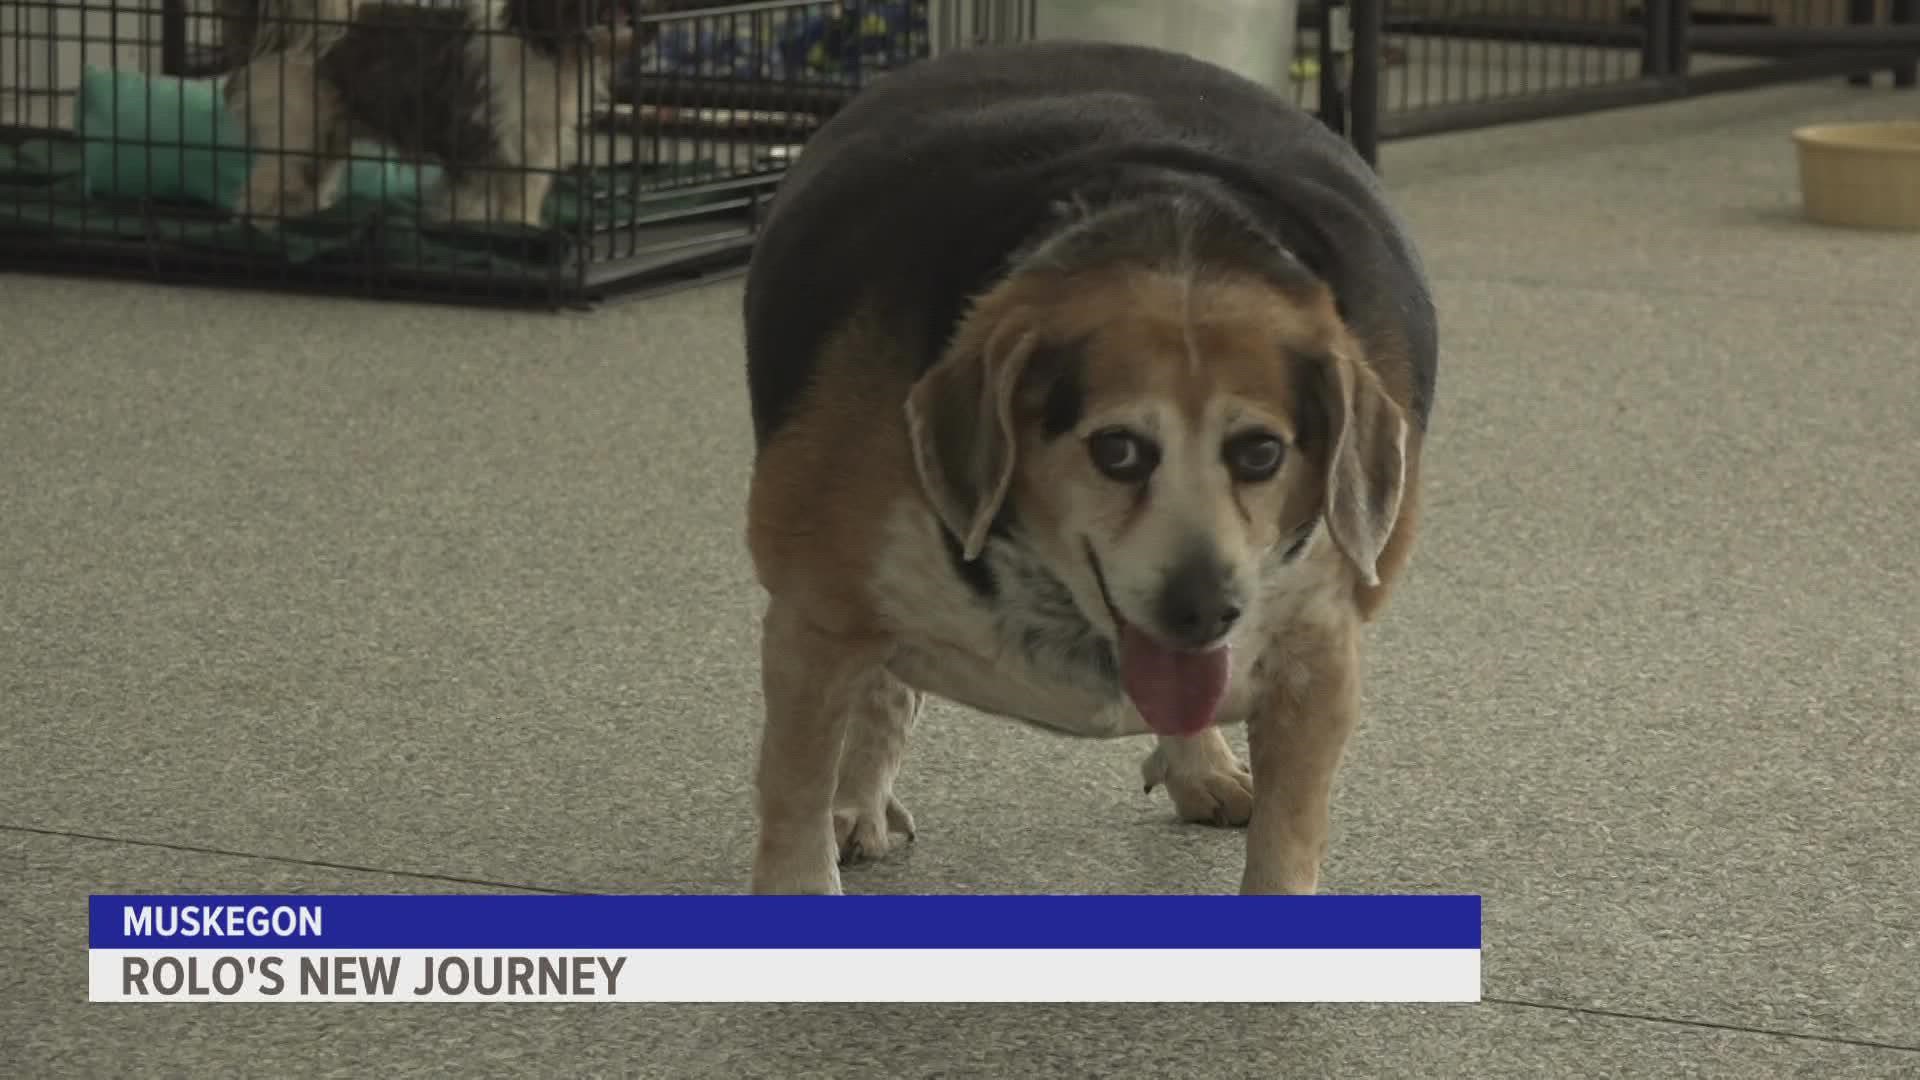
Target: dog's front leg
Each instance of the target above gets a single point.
(1295, 740)
(1207, 783)
(810, 678)
(866, 813)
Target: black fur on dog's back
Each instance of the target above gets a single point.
(422, 53)
(912, 198)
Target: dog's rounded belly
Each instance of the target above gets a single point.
(1015, 690)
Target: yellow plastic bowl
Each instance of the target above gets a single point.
(1861, 175)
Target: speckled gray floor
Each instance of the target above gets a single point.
(302, 594)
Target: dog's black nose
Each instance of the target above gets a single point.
(1198, 602)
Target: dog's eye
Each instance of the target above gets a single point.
(1254, 457)
(1122, 455)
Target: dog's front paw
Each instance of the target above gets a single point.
(264, 213)
(267, 201)
(785, 877)
(1209, 786)
(865, 832)
(795, 860)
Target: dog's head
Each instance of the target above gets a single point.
(1164, 423)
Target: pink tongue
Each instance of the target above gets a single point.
(1177, 693)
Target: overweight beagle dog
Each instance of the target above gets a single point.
(1088, 385)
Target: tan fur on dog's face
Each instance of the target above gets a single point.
(1190, 380)
(1197, 373)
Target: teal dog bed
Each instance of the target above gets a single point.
(173, 139)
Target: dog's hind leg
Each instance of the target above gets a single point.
(865, 812)
(531, 112)
(1207, 783)
(813, 681)
(520, 190)
(333, 156)
(295, 132)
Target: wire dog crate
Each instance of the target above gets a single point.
(521, 151)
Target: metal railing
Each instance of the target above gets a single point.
(1418, 67)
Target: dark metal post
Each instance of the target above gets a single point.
(1679, 38)
(1656, 48)
(1333, 95)
(1368, 20)
(1860, 13)
(173, 37)
(1906, 13)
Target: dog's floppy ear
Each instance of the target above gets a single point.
(960, 419)
(1362, 437)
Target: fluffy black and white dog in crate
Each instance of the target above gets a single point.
(495, 91)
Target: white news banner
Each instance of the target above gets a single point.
(853, 975)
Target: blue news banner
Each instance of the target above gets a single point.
(995, 948)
